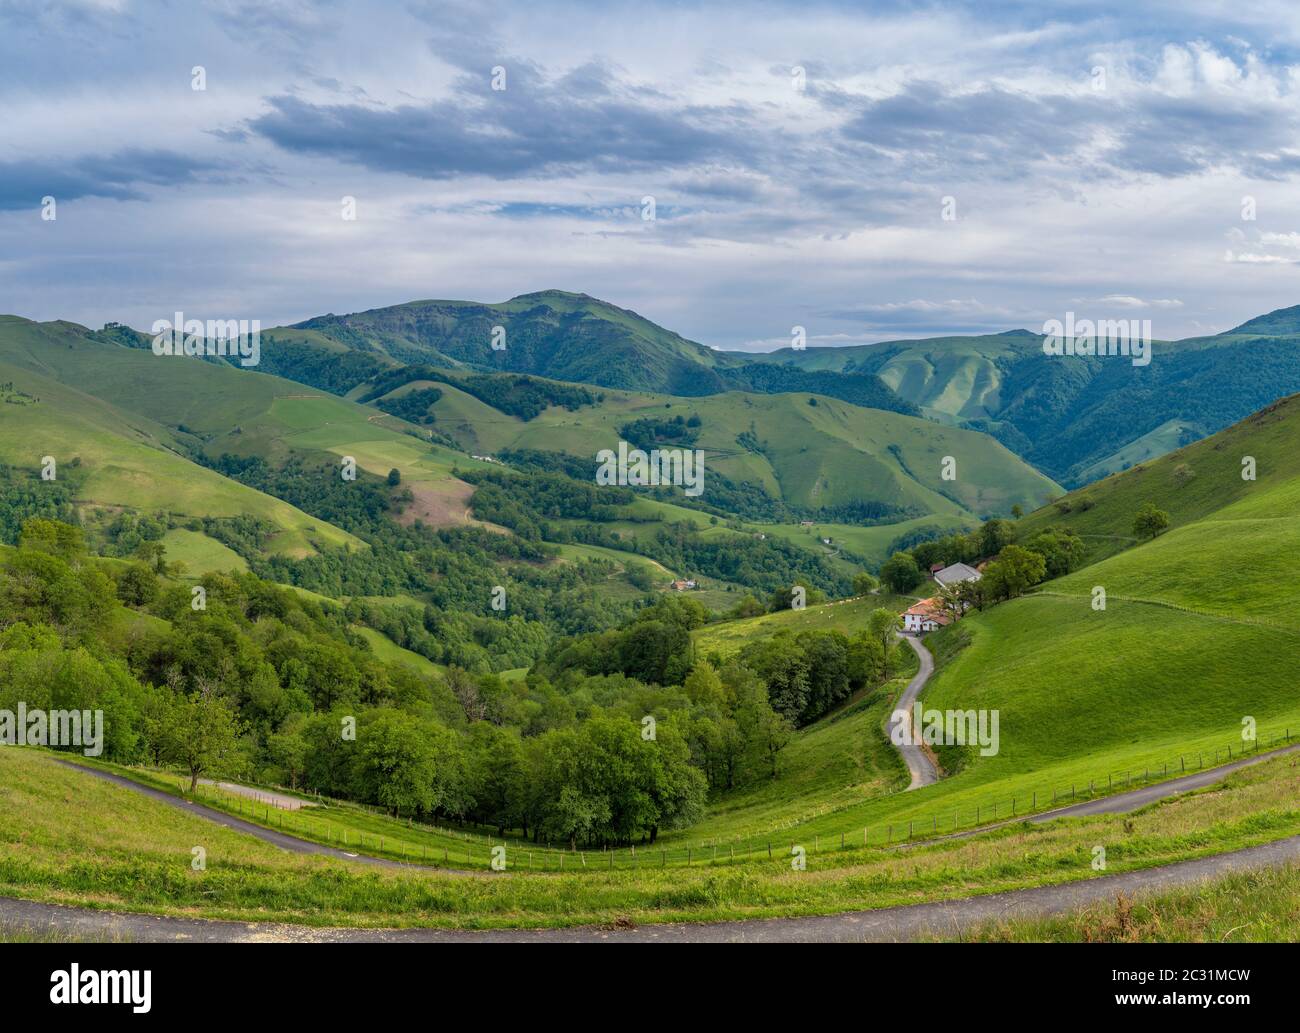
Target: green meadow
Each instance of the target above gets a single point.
(135, 854)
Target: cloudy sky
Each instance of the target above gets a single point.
(866, 170)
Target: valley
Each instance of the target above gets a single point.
(516, 726)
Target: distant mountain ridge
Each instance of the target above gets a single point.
(1075, 419)
(575, 337)
(1079, 419)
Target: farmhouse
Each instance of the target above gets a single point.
(956, 574)
(927, 615)
(682, 586)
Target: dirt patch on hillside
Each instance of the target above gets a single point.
(445, 504)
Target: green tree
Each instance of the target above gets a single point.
(784, 669)
(1062, 550)
(881, 625)
(201, 733)
(394, 477)
(1150, 521)
(288, 752)
(52, 536)
(900, 573)
(766, 732)
(1016, 569)
(703, 686)
(137, 585)
(394, 765)
(864, 583)
(993, 535)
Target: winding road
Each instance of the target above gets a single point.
(941, 918)
(920, 762)
(885, 925)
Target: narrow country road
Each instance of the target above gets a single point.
(920, 763)
(1122, 803)
(887, 925)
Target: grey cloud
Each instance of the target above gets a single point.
(933, 130)
(532, 127)
(119, 175)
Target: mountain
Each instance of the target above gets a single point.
(558, 335)
(1280, 322)
(1078, 419)
(1075, 419)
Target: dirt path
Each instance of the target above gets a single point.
(920, 763)
(282, 801)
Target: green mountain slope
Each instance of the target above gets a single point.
(1200, 632)
(811, 452)
(123, 460)
(1200, 627)
(1074, 418)
(156, 410)
(562, 336)
(1280, 322)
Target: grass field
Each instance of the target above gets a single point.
(127, 413)
(846, 615)
(200, 554)
(390, 652)
(1250, 907)
(133, 853)
(873, 544)
(131, 464)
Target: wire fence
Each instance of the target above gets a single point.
(358, 829)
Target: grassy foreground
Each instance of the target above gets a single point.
(1252, 907)
(70, 838)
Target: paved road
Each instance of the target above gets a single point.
(918, 759)
(1131, 800)
(888, 925)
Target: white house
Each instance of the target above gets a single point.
(927, 615)
(956, 574)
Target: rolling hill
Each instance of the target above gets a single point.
(1074, 419)
(1199, 633)
(811, 452)
(558, 335)
(121, 459)
(214, 408)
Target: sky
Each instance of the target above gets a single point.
(866, 171)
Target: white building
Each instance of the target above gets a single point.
(927, 615)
